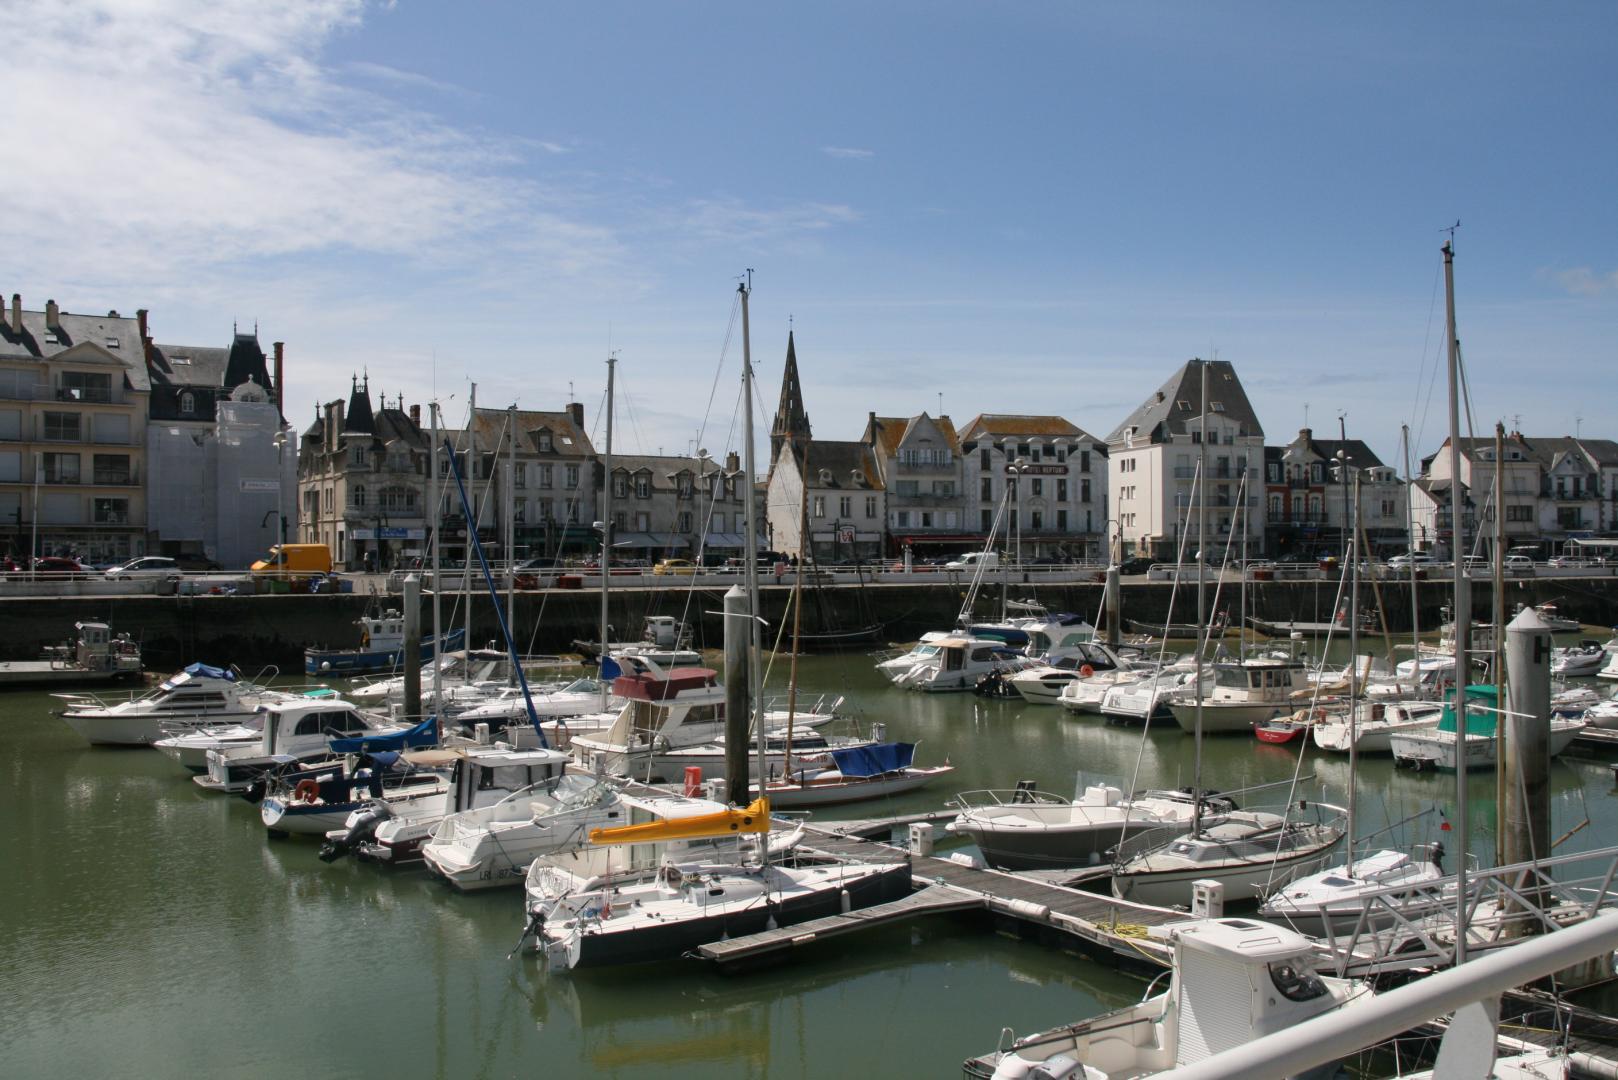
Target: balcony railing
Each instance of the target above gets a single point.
(94, 395)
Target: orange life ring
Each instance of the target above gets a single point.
(307, 791)
(1086, 671)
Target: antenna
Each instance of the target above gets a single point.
(1451, 230)
(1306, 414)
(1578, 422)
(941, 403)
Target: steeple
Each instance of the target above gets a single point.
(358, 417)
(791, 422)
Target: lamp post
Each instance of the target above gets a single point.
(1017, 468)
(280, 442)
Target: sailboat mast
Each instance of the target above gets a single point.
(1497, 661)
(1410, 550)
(1353, 666)
(472, 521)
(606, 535)
(1202, 612)
(511, 521)
(435, 499)
(1463, 599)
(750, 553)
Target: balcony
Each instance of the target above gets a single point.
(114, 477)
(903, 466)
(92, 395)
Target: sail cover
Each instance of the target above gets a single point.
(874, 760)
(753, 818)
(210, 672)
(423, 734)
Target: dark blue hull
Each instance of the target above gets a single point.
(368, 662)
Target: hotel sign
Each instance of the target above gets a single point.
(1037, 470)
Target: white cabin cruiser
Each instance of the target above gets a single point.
(1234, 981)
(394, 831)
(894, 665)
(1043, 682)
(1243, 694)
(1588, 657)
(1150, 697)
(293, 730)
(1373, 727)
(1027, 829)
(190, 746)
(959, 663)
(1249, 852)
(196, 697)
(1086, 695)
(855, 773)
(489, 846)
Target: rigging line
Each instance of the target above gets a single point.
(719, 369)
(1426, 341)
(749, 543)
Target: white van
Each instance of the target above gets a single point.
(972, 560)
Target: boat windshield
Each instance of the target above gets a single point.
(1234, 677)
(1295, 981)
(586, 685)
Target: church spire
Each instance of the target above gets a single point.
(791, 421)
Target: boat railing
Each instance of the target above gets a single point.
(1402, 927)
(989, 797)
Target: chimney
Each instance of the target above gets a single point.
(16, 313)
(140, 320)
(1306, 434)
(415, 415)
(576, 411)
(280, 372)
(53, 315)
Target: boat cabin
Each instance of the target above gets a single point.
(485, 775)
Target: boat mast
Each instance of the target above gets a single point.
(1497, 662)
(755, 677)
(1202, 613)
(435, 497)
(797, 619)
(511, 524)
(1463, 598)
(606, 536)
(472, 522)
(1353, 664)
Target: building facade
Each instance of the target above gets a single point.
(555, 484)
(665, 506)
(1043, 479)
(1152, 467)
(1309, 499)
(73, 407)
(918, 462)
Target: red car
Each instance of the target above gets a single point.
(62, 566)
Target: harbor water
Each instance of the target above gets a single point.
(151, 929)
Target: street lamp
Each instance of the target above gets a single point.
(1017, 469)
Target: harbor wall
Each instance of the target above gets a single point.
(254, 631)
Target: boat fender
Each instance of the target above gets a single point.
(1086, 671)
(307, 791)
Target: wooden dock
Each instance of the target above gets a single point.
(929, 900)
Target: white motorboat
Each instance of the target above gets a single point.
(1436, 746)
(1375, 725)
(577, 698)
(1086, 695)
(597, 907)
(317, 797)
(199, 696)
(1588, 657)
(462, 668)
(1249, 852)
(874, 771)
(1149, 698)
(665, 641)
(1234, 981)
(1554, 620)
(1027, 829)
(1243, 693)
(959, 662)
(1060, 636)
(298, 729)
(1337, 896)
(394, 831)
(490, 846)
(1044, 682)
(191, 745)
(893, 665)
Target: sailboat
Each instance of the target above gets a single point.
(651, 891)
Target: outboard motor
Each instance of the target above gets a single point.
(364, 828)
(256, 791)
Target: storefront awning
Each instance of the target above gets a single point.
(659, 541)
(724, 540)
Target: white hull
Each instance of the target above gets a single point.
(1223, 719)
(834, 789)
(143, 729)
(1248, 881)
(1437, 750)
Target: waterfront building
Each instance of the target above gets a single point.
(918, 463)
(73, 408)
(832, 487)
(1308, 499)
(664, 506)
(1556, 489)
(222, 476)
(1152, 464)
(555, 485)
(1057, 475)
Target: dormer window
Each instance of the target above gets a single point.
(188, 403)
(643, 485)
(543, 442)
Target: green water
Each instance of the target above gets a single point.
(150, 929)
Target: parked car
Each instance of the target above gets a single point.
(1419, 559)
(674, 566)
(1519, 564)
(145, 567)
(989, 560)
(1135, 564)
(197, 564)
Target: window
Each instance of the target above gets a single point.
(1084, 461)
(683, 485)
(61, 468)
(926, 519)
(1060, 452)
(86, 386)
(521, 474)
(1084, 490)
(356, 455)
(983, 459)
(1275, 507)
(902, 519)
(643, 521)
(986, 520)
(63, 427)
(643, 486)
(1036, 520)
(1036, 487)
(620, 486)
(909, 487)
(188, 403)
(571, 478)
(986, 489)
(544, 472)
(845, 506)
(1061, 490)
(110, 511)
(944, 487)
(870, 506)
(543, 442)
(620, 520)
(685, 521)
(1061, 521)
(1519, 513)
(519, 510)
(400, 498)
(818, 506)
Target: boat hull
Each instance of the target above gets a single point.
(1221, 719)
(1056, 847)
(368, 662)
(1245, 882)
(854, 789)
(143, 729)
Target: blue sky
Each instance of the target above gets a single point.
(1024, 208)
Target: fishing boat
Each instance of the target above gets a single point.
(94, 656)
(856, 773)
(1437, 746)
(1233, 981)
(1243, 693)
(1027, 829)
(381, 648)
(198, 696)
(491, 846)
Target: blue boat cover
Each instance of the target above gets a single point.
(874, 760)
(610, 669)
(208, 671)
(423, 734)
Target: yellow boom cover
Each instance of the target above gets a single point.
(753, 818)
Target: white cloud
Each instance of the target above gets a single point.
(846, 152)
(1583, 281)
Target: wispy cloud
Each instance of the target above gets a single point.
(1583, 281)
(397, 77)
(846, 152)
(731, 221)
